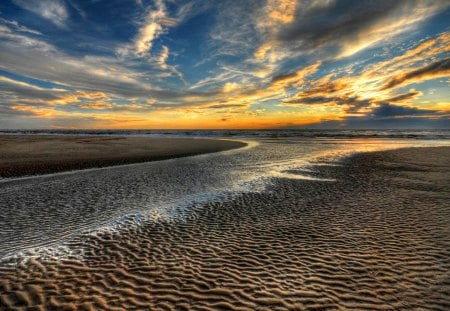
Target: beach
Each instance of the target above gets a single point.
(43, 154)
(370, 232)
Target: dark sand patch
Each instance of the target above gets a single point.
(35, 154)
(376, 239)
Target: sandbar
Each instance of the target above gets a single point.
(22, 155)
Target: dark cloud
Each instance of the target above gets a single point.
(349, 100)
(7, 112)
(354, 103)
(311, 100)
(346, 21)
(30, 93)
(326, 88)
(342, 19)
(439, 68)
(284, 77)
(383, 123)
(403, 97)
(388, 116)
(388, 110)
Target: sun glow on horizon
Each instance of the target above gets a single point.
(191, 65)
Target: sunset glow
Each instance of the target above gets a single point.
(224, 64)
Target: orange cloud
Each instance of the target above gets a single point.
(426, 50)
(295, 79)
(282, 10)
(82, 97)
(378, 82)
(40, 112)
(91, 95)
(96, 105)
(262, 50)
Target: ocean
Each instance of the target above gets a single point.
(272, 133)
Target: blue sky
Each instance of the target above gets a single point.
(224, 64)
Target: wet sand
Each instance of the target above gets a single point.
(378, 238)
(35, 154)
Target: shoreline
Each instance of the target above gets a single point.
(377, 236)
(34, 155)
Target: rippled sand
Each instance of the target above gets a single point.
(377, 238)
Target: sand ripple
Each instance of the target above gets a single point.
(378, 238)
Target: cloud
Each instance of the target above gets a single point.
(404, 97)
(295, 79)
(97, 105)
(13, 91)
(32, 58)
(53, 10)
(233, 33)
(12, 33)
(387, 116)
(235, 93)
(354, 105)
(226, 106)
(67, 71)
(388, 110)
(411, 122)
(426, 50)
(325, 87)
(88, 75)
(345, 21)
(161, 61)
(217, 80)
(152, 28)
(8, 82)
(163, 57)
(350, 104)
(154, 24)
(437, 69)
(282, 11)
(376, 83)
(264, 62)
(342, 28)
(17, 27)
(311, 100)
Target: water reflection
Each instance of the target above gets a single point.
(42, 211)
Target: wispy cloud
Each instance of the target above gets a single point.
(17, 27)
(153, 26)
(53, 10)
(155, 22)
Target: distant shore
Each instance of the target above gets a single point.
(23, 155)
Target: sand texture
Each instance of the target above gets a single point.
(378, 238)
(35, 154)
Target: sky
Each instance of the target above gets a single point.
(229, 64)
